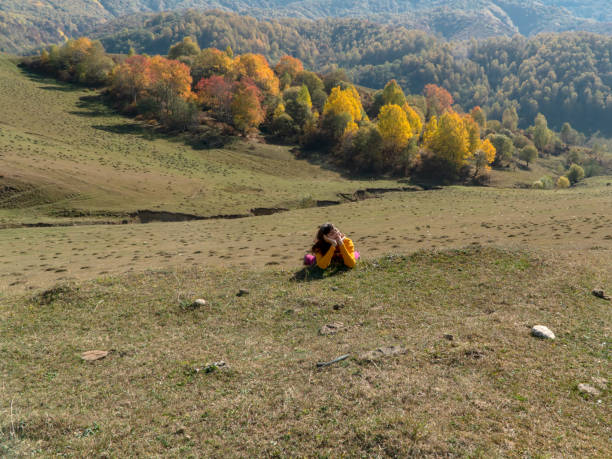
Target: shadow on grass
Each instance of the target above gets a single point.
(314, 273)
(123, 129)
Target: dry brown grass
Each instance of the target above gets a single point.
(491, 391)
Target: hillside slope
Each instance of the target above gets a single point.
(28, 23)
(470, 382)
(64, 154)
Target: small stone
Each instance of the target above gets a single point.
(179, 431)
(331, 329)
(599, 293)
(381, 352)
(588, 389)
(242, 292)
(448, 337)
(338, 306)
(91, 356)
(198, 303)
(540, 331)
(334, 288)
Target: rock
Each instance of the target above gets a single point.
(540, 331)
(331, 329)
(448, 337)
(198, 303)
(91, 356)
(242, 292)
(599, 293)
(334, 288)
(338, 306)
(381, 352)
(588, 389)
(210, 367)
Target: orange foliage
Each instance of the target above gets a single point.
(439, 100)
(289, 65)
(256, 67)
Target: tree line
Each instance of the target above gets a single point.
(566, 76)
(374, 132)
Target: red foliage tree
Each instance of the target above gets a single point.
(439, 100)
(215, 93)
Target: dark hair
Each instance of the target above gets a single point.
(321, 245)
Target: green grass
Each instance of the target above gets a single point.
(493, 391)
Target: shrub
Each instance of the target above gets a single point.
(575, 174)
(563, 182)
(528, 154)
(547, 182)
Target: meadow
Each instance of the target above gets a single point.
(454, 276)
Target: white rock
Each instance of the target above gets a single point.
(588, 389)
(540, 331)
(199, 302)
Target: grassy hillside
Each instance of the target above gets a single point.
(66, 154)
(489, 389)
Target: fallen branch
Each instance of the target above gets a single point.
(331, 362)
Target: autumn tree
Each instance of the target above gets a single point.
(216, 94)
(439, 100)
(168, 78)
(473, 132)
(81, 60)
(415, 121)
(256, 68)
(394, 127)
(131, 78)
(247, 112)
(289, 65)
(344, 101)
(449, 139)
(484, 157)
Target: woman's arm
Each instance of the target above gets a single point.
(347, 249)
(323, 261)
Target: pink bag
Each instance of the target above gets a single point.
(310, 259)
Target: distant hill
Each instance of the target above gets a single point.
(28, 23)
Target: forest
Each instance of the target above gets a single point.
(388, 131)
(545, 74)
(24, 24)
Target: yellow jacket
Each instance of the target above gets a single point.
(346, 252)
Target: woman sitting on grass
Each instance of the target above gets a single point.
(332, 246)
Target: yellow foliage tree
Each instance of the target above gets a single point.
(344, 101)
(473, 131)
(450, 140)
(430, 130)
(414, 119)
(484, 156)
(394, 127)
(351, 128)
